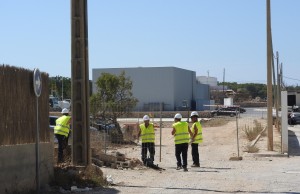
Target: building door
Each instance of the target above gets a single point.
(291, 100)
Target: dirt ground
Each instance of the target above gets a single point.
(217, 174)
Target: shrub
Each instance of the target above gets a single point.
(252, 133)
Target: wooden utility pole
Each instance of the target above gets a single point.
(278, 92)
(278, 82)
(269, 78)
(80, 83)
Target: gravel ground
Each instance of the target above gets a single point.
(217, 174)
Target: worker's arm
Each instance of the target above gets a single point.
(190, 131)
(70, 124)
(195, 132)
(139, 133)
(70, 121)
(173, 131)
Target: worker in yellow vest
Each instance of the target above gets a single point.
(196, 138)
(147, 134)
(181, 139)
(61, 131)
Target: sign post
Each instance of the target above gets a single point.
(37, 86)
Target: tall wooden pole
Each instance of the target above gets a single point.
(278, 82)
(269, 78)
(80, 83)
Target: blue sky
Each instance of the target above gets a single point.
(205, 36)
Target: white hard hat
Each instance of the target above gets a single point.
(178, 116)
(194, 113)
(146, 118)
(65, 110)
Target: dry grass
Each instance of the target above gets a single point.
(252, 133)
(251, 149)
(215, 122)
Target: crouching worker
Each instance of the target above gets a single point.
(61, 131)
(147, 134)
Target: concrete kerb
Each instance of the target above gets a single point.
(294, 132)
(271, 154)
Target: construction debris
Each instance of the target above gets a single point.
(116, 160)
(109, 180)
(76, 189)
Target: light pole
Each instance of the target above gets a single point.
(62, 88)
(269, 78)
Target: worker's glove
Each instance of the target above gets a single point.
(138, 142)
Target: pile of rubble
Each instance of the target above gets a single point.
(115, 160)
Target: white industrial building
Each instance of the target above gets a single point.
(169, 86)
(211, 81)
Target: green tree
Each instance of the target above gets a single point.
(248, 89)
(231, 85)
(59, 84)
(114, 97)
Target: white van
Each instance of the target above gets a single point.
(53, 102)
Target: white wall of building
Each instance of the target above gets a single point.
(167, 85)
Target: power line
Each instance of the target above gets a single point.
(291, 78)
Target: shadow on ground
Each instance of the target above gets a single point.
(179, 189)
(294, 147)
(106, 191)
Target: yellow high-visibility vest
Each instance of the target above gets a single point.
(62, 127)
(198, 138)
(147, 134)
(182, 132)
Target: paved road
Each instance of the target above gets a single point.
(294, 139)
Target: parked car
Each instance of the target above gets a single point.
(104, 124)
(236, 108)
(53, 102)
(224, 111)
(294, 118)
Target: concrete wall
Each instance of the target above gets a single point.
(168, 85)
(18, 164)
(202, 91)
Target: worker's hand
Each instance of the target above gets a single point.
(138, 142)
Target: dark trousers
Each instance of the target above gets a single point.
(62, 144)
(148, 147)
(195, 154)
(181, 150)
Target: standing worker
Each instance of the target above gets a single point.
(147, 134)
(196, 138)
(62, 131)
(181, 139)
